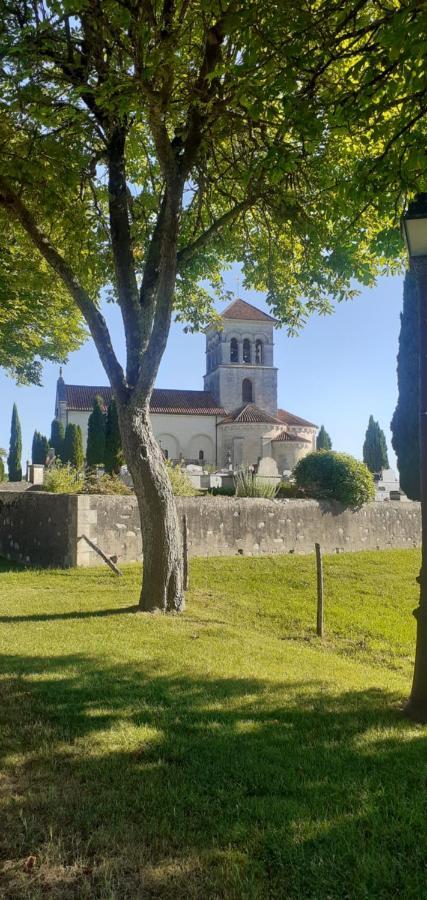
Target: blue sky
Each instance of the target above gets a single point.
(337, 372)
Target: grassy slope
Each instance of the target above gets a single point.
(221, 754)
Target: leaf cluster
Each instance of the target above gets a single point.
(327, 475)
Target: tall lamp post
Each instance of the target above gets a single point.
(414, 224)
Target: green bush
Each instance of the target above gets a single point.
(63, 479)
(1, 469)
(181, 484)
(335, 476)
(250, 485)
(291, 491)
(104, 484)
(66, 479)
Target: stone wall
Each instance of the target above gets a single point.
(219, 526)
(39, 529)
(57, 530)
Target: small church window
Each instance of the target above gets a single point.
(247, 392)
(258, 353)
(246, 351)
(201, 456)
(234, 350)
(165, 453)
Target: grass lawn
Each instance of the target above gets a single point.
(225, 753)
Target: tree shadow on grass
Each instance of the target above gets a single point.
(136, 783)
(74, 614)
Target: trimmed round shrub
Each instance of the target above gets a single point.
(335, 476)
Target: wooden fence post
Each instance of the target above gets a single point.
(319, 566)
(185, 550)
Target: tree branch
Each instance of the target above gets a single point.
(186, 254)
(96, 322)
(164, 253)
(121, 242)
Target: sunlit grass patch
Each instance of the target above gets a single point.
(225, 753)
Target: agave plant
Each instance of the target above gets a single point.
(250, 485)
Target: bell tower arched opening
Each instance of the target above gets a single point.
(247, 391)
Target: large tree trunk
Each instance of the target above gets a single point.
(162, 583)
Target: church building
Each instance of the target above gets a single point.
(235, 420)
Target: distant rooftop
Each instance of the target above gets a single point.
(163, 400)
(240, 309)
(250, 413)
(289, 419)
(292, 438)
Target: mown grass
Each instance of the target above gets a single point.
(226, 753)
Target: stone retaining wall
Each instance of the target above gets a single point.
(39, 529)
(44, 529)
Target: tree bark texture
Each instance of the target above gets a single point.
(162, 583)
(416, 707)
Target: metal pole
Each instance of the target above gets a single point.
(416, 707)
(185, 551)
(319, 566)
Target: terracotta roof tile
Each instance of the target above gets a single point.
(250, 413)
(286, 436)
(81, 397)
(240, 309)
(184, 402)
(289, 419)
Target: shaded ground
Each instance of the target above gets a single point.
(221, 754)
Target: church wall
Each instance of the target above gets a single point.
(288, 454)
(192, 433)
(309, 434)
(250, 442)
(178, 433)
(79, 417)
(226, 386)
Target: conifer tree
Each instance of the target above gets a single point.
(405, 422)
(375, 447)
(95, 449)
(73, 446)
(14, 462)
(44, 449)
(40, 449)
(57, 434)
(35, 447)
(323, 441)
(113, 457)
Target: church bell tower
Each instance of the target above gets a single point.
(239, 359)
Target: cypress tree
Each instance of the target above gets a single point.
(323, 441)
(44, 449)
(113, 456)
(14, 463)
(57, 434)
(73, 446)
(95, 449)
(35, 447)
(405, 422)
(375, 447)
(39, 449)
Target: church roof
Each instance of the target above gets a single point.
(286, 436)
(201, 403)
(163, 400)
(249, 413)
(240, 309)
(289, 419)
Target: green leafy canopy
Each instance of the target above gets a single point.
(283, 136)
